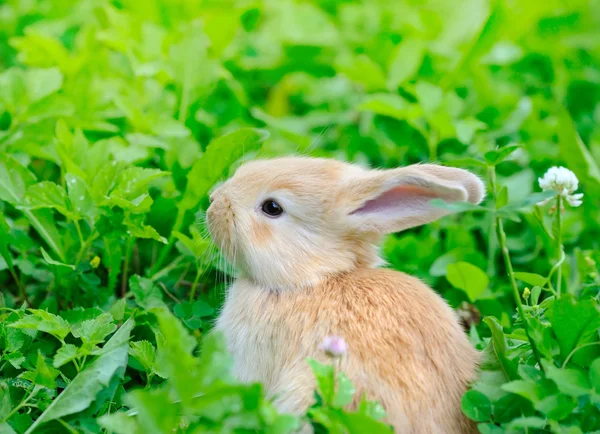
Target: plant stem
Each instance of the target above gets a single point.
(125, 273)
(84, 246)
(559, 243)
(509, 269)
(172, 266)
(195, 284)
(79, 233)
(167, 249)
(23, 403)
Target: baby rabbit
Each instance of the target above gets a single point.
(304, 234)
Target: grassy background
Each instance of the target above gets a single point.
(118, 117)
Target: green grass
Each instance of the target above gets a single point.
(118, 117)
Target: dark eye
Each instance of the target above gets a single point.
(271, 208)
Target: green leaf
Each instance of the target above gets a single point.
(534, 392)
(575, 323)
(47, 194)
(476, 406)
(79, 196)
(120, 423)
(16, 359)
(496, 157)
(93, 332)
(43, 374)
(5, 428)
(5, 402)
(522, 424)
(5, 239)
(500, 347)
(595, 375)
(118, 309)
(42, 82)
(144, 290)
(531, 278)
(502, 199)
(456, 206)
(405, 61)
(14, 180)
(557, 407)
(51, 261)
(44, 322)
(220, 155)
(385, 104)
(360, 424)
(145, 231)
(574, 152)
(571, 382)
(43, 222)
(82, 391)
(324, 375)
(469, 278)
(535, 295)
(155, 409)
(133, 182)
(344, 392)
(145, 353)
(361, 69)
(64, 355)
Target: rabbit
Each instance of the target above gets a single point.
(304, 234)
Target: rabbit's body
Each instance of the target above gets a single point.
(304, 234)
(405, 347)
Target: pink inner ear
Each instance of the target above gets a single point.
(401, 196)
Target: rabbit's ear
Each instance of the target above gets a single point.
(393, 200)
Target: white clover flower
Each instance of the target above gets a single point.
(564, 182)
(334, 346)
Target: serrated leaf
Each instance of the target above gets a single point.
(145, 353)
(64, 355)
(43, 374)
(44, 322)
(16, 359)
(144, 290)
(93, 332)
(82, 391)
(47, 194)
(79, 196)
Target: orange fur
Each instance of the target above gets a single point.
(313, 272)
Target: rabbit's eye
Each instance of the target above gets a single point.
(271, 208)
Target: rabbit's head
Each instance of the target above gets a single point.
(288, 222)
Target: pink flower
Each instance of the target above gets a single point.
(334, 346)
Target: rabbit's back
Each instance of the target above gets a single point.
(405, 346)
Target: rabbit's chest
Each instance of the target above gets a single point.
(264, 331)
